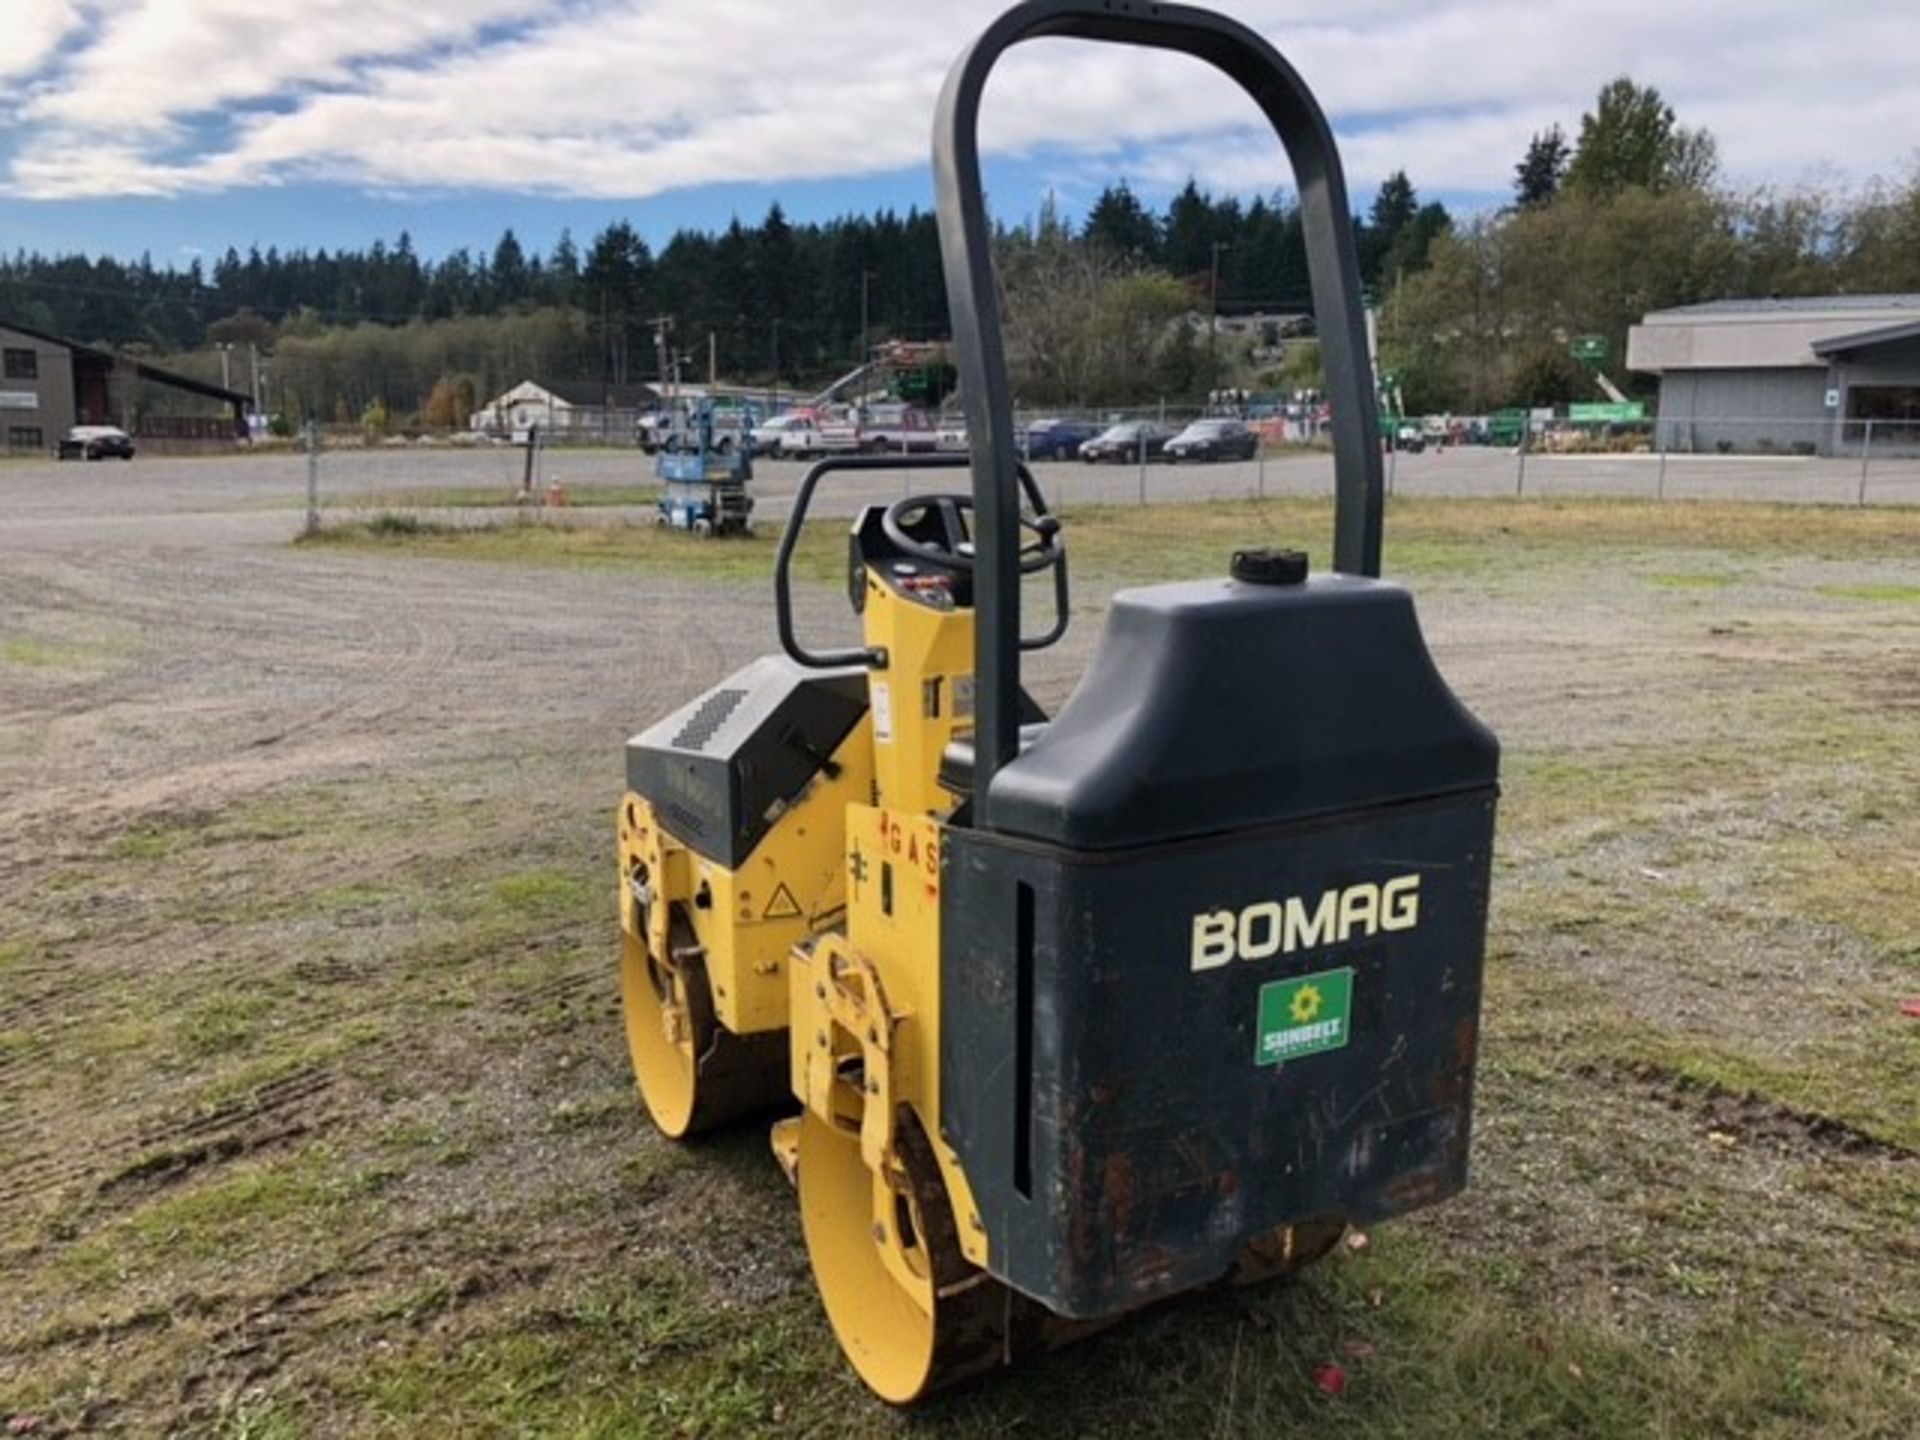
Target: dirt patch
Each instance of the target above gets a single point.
(1755, 1119)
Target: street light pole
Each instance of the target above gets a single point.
(225, 347)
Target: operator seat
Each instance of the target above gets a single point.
(956, 761)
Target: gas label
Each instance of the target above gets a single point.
(1280, 927)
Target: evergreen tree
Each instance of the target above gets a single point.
(1190, 233)
(1393, 210)
(613, 286)
(1538, 176)
(563, 271)
(511, 280)
(1121, 225)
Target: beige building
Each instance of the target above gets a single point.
(567, 409)
(1817, 374)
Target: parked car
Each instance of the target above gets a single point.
(813, 433)
(96, 442)
(1214, 440)
(893, 425)
(950, 435)
(766, 435)
(1120, 444)
(1055, 439)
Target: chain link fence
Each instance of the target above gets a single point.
(461, 478)
(1832, 461)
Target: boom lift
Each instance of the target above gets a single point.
(1084, 1013)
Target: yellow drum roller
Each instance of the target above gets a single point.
(1077, 1013)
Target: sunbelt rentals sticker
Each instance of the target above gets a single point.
(1303, 1016)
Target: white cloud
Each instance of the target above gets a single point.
(155, 62)
(630, 98)
(33, 28)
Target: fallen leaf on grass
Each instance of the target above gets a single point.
(1331, 1379)
(1356, 1240)
(1911, 1008)
(23, 1424)
(1358, 1350)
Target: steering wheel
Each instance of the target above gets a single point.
(955, 548)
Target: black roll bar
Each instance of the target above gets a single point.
(973, 304)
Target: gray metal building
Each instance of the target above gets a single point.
(1820, 375)
(48, 385)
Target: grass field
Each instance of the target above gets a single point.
(396, 503)
(393, 1179)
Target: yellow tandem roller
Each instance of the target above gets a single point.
(1070, 1016)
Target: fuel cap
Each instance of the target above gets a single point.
(1270, 567)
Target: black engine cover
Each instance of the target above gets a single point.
(719, 770)
(1218, 968)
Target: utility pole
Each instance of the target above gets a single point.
(713, 360)
(661, 325)
(773, 385)
(253, 351)
(225, 347)
(1213, 310)
(865, 276)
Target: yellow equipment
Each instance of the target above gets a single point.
(1080, 1014)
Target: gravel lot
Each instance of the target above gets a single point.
(314, 1107)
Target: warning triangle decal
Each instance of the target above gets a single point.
(782, 906)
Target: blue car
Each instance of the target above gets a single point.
(1055, 439)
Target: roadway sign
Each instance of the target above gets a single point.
(1606, 413)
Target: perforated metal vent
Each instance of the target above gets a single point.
(708, 719)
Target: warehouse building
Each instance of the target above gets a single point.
(1823, 375)
(49, 385)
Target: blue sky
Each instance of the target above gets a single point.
(183, 126)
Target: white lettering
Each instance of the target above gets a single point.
(1303, 934)
(1272, 927)
(1400, 903)
(1360, 910)
(1212, 939)
(1260, 930)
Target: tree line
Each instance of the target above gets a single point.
(776, 300)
